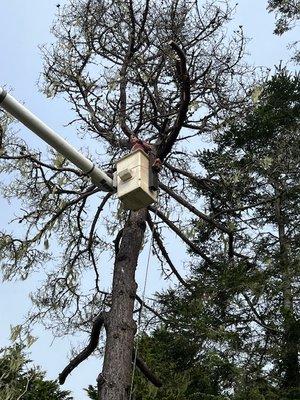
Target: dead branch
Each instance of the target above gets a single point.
(143, 367)
(205, 183)
(152, 310)
(194, 210)
(164, 252)
(259, 319)
(175, 229)
(87, 351)
(185, 96)
(61, 211)
(96, 217)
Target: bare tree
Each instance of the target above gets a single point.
(168, 73)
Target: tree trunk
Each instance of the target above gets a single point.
(290, 359)
(290, 342)
(120, 327)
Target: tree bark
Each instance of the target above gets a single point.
(115, 380)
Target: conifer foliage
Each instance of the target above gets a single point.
(287, 12)
(234, 331)
(20, 380)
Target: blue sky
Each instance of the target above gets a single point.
(23, 28)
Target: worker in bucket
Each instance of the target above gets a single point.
(155, 164)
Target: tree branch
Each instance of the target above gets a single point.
(87, 351)
(62, 210)
(143, 304)
(164, 252)
(194, 210)
(96, 217)
(143, 367)
(205, 183)
(185, 96)
(259, 319)
(178, 232)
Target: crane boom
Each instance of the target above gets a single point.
(32, 122)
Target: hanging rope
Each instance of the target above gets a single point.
(143, 300)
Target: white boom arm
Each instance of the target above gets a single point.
(17, 110)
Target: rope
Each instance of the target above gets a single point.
(143, 301)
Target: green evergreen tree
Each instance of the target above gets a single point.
(92, 392)
(287, 12)
(233, 330)
(20, 380)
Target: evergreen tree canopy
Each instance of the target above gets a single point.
(287, 11)
(20, 380)
(234, 331)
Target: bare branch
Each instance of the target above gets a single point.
(175, 229)
(259, 318)
(96, 217)
(164, 252)
(62, 210)
(87, 351)
(143, 367)
(185, 96)
(205, 183)
(194, 210)
(152, 310)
